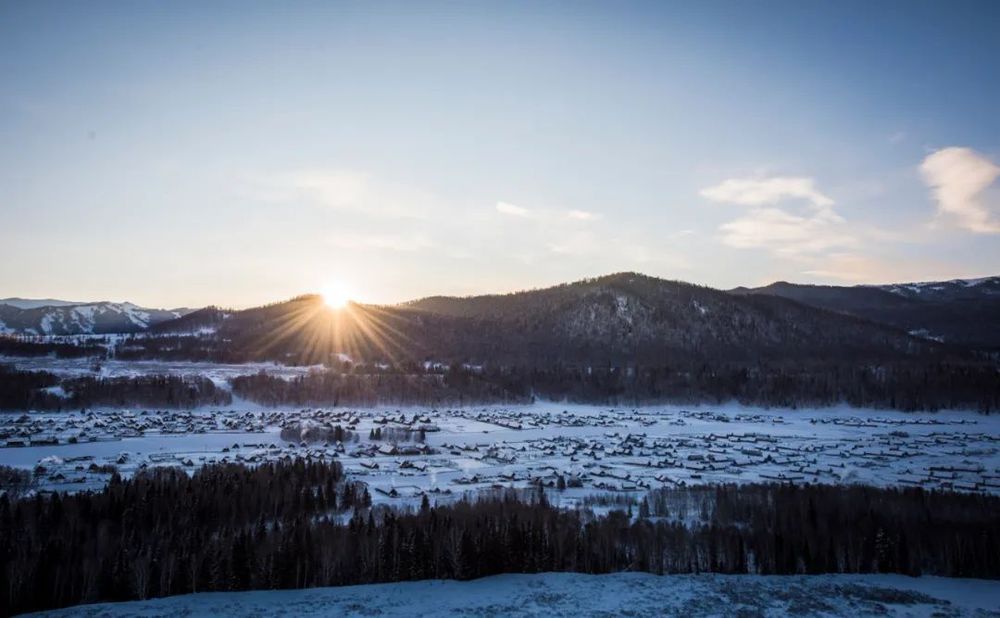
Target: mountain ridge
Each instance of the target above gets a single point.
(624, 308)
(618, 319)
(964, 312)
(67, 319)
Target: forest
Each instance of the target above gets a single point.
(383, 387)
(39, 346)
(900, 386)
(28, 390)
(296, 524)
(25, 390)
(149, 391)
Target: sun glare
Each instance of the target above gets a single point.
(336, 295)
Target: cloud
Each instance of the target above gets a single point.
(785, 233)
(814, 228)
(512, 210)
(582, 215)
(545, 215)
(958, 177)
(764, 191)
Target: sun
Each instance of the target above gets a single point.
(336, 294)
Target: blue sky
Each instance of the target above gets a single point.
(238, 153)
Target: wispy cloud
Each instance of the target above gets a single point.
(764, 191)
(814, 228)
(785, 233)
(506, 208)
(582, 215)
(958, 178)
(546, 215)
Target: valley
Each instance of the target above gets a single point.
(575, 451)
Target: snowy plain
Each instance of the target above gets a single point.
(577, 595)
(599, 450)
(594, 449)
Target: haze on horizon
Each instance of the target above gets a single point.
(241, 153)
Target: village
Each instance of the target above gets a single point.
(572, 451)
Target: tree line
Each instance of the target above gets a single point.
(229, 527)
(901, 386)
(32, 390)
(32, 346)
(378, 387)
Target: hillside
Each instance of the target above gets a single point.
(962, 312)
(619, 319)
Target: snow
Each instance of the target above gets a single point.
(82, 318)
(86, 312)
(920, 287)
(621, 304)
(577, 595)
(923, 333)
(971, 283)
(135, 314)
(626, 450)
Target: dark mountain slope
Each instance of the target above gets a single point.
(962, 312)
(615, 320)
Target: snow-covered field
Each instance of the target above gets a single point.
(579, 452)
(576, 595)
(592, 449)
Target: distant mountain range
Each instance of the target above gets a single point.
(23, 316)
(605, 319)
(962, 311)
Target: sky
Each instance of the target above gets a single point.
(236, 153)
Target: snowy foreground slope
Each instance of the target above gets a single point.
(572, 594)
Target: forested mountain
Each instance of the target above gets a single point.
(963, 311)
(198, 321)
(27, 317)
(617, 320)
(621, 339)
(957, 289)
(605, 319)
(624, 338)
